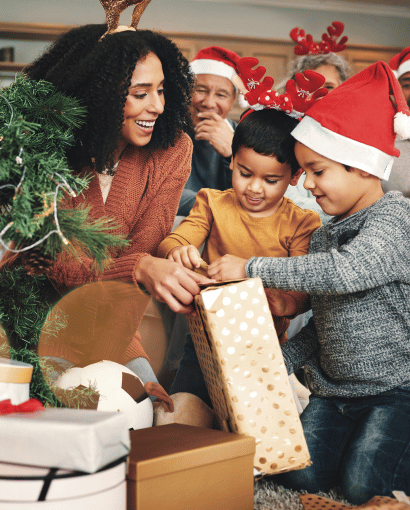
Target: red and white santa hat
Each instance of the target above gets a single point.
(215, 60)
(400, 63)
(356, 124)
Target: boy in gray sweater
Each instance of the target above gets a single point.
(356, 348)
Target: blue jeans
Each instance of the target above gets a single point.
(359, 444)
(189, 376)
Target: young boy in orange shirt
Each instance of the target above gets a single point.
(252, 219)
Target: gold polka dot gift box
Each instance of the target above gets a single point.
(243, 366)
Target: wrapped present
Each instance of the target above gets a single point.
(180, 467)
(29, 488)
(74, 439)
(15, 377)
(243, 367)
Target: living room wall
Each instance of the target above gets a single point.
(365, 23)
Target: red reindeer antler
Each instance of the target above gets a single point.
(305, 90)
(335, 31)
(251, 79)
(300, 93)
(306, 46)
(304, 43)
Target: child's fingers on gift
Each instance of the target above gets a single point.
(187, 256)
(193, 257)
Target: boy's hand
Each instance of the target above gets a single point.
(228, 267)
(187, 256)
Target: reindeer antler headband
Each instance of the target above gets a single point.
(113, 10)
(328, 44)
(301, 93)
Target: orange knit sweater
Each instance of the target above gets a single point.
(143, 200)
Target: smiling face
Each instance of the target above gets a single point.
(145, 102)
(212, 94)
(338, 191)
(260, 181)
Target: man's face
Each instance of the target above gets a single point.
(404, 81)
(212, 94)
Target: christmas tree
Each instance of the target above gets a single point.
(37, 126)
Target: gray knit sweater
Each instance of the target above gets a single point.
(358, 276)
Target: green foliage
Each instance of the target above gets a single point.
(24, 315)
(37, 126)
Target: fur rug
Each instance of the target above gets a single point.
(269, 496)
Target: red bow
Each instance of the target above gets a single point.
(30, 406)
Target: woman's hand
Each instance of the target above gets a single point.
(228, 267)
(188, 256)
(169, 282)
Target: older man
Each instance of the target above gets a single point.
(212, 100)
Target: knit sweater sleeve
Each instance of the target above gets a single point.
(377, 255)
(193, 230)
(301, 347)
(145, 210)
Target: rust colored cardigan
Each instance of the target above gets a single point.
(143, 200)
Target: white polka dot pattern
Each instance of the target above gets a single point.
(242, 362)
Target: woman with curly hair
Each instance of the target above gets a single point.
(136, 86)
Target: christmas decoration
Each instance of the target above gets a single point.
(113, 10)
(301, 93)
(117, 387)
(37, 127)
(329, 44)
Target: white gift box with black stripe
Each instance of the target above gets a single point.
(28, 487)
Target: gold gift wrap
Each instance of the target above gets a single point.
(243, 366)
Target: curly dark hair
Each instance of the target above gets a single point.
(98, 73)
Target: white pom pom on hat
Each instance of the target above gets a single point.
(402, 125)
(356, 124)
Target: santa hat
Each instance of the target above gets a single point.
(400, 63)
(215, 60)
(356, 124)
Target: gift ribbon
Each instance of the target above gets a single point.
(30, 406)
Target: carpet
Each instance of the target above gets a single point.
(270, 496)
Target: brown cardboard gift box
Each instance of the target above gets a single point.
(244, 370)
(180, 467)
